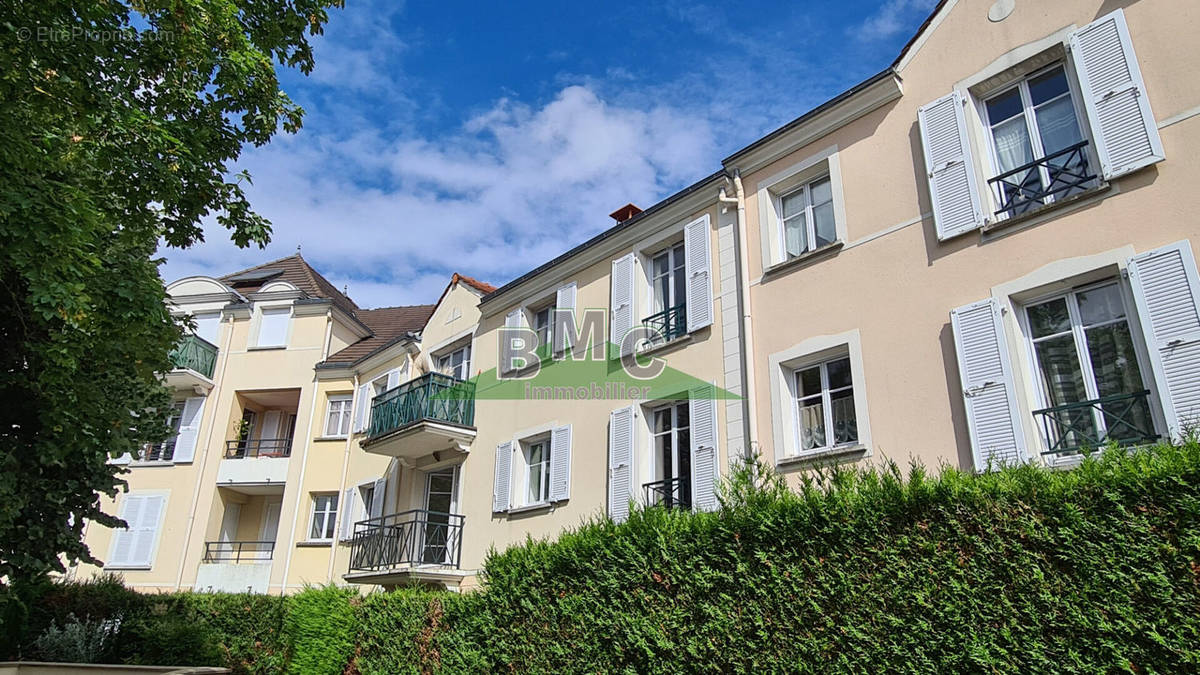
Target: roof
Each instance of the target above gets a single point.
(294, 270)
(481, 286)
(389, 325)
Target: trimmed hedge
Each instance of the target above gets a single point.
(1025, 569)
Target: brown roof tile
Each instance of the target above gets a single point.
(296, 271)
(388, 324)
(481, 286)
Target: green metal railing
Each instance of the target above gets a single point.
(433, 396)
(195, 353)
(1124, 418)
(669, 323)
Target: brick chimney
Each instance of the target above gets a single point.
(624, 213)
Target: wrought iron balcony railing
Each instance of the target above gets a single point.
(1030, 186)
(195, 353)
(433, 396)
(673, 493)
(1124, 418)
(158, 452)
(238, 551)
(669, 323)
(415, 537)
(258, 447)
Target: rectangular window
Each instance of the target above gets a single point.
(537, 471)
(456, 364)
(668, 287)
(671, 443)
(806, 215)
(1090, 379)
(543, 325)
(337, 418)
(323, 516)
(367, 494)
(826, 417)
(165, 451)
(273, 328)
(208, 325)
(1039, 151)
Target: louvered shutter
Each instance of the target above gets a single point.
(620, 462)
(362, 406)
(512, 320)
(123, 539)
(621, 301)
(189, 429)
(988, 392)
(503, 479)
(147, 530)
(1167, 294)
(702, 406)
(564, 314)
(697, 261)
(378, 497)
(347, 507)
(1114, 96)
(950, 166)
(560, 463)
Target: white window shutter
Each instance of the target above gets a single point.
(189, 429)
(621, 300)
(123, 539)
(1167, 295)
(560, 463)
(503, 479)
(702, 404)
(697, 257)
(1114, 96)
(994, 423)
(273, 326)
(393, 378)
(513, 319)
(950, 166)
(362, 405)
(147, 530)
(564, 302)
(620, 462)
(378, 496)
(123, 459)
(347, 508)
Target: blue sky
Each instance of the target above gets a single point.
(488, 137)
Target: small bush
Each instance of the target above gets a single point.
(77, 641)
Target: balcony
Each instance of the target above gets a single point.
(421, 417)
(235, 567)
(1054, 177)
(255, 461)
(1088, 425)
(672, 493)
(258, 447)
(406, 546)
(238, 551)
(667, 325)
(194, 360)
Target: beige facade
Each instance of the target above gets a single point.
(983, 254)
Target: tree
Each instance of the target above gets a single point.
(119, 121)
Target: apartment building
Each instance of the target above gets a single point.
(981, 255)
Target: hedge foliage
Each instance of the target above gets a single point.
(1024, 569)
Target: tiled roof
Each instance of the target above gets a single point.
(481, 286)
(389, 325)
(296, 271)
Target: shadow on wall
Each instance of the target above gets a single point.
(958, 411)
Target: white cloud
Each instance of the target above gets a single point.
(892, 17)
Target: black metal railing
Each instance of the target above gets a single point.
(258, 447)
(1123, 418)
(194, 353)
(433, 396)
(238, 551)
(1057, 175)
(415, 537)
(673, 493)
(159, 452)
(668, 324)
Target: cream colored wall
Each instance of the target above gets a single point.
(456, 315)
(898, 289)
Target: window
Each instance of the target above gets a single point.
(273, 327)
(456, 364)
(825, 406)
(668, 287)
(543, 325)
(337, 419)
(133, 547)
(1039, 151)
(208, 324)
(806, 216)
(323, 516)
(367, 494)
(1084, 352)
(165, 451)
(537, 471)
(671, 444)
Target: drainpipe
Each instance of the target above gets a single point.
(343, 509)
(746, 334)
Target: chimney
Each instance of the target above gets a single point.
(624, 213)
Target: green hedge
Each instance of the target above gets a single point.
(1025, 569)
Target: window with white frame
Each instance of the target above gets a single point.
(543, 325)
(671, 461)
(825, 413)
(668, 294)
(1090, 380)
(806, 217)
(536, 460)
(324, 515)
(273, 326)
(457, 363)
(1038, 149)
(337, 417)
(165, 451)
(367, 494)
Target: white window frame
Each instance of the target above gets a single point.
(654, 464)
(446, 356)
(328, 516)
(522, 450)
(772, 189)
(810, 229)
(346, 405)
(826, 397)
(261, 318)
(174, 420)
(535, 315)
